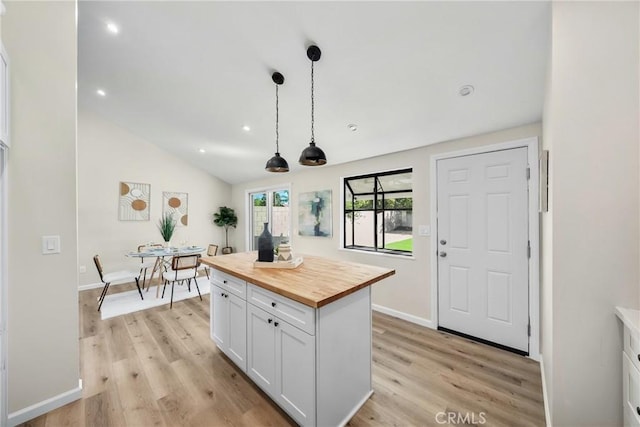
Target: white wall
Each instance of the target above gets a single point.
(40, 38)
(592, 125)
(108, 154)
(408, 291)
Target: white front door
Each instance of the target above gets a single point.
(483, 265)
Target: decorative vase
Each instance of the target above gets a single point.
(265, 245)
(167, 244)
(284, 252)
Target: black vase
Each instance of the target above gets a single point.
(265, 245)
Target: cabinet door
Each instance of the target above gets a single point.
(4, 98)
(261, 355)
(237, 339)
(219, 317)
(295, 370)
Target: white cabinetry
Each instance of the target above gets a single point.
(229, 317)
(281, 357)
(630, 366)
(4, 97)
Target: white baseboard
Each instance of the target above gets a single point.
(40, 408)
(404, 316)
(545, 396)
(90, 286)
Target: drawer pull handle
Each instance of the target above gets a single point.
(273, 304)
(638, 409)
(269, 320)
(276, 324)
(224, 281)
(639, 358)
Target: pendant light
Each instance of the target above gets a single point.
(277, 163)
(312, 155)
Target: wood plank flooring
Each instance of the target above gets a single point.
(160, 368)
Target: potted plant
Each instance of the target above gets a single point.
(166, 225)
(226, 218)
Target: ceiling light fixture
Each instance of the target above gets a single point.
(202, 150)
(112, 28)
(277, 163)
(352, 127)
(312, 155)
(101, 92)
(246, 128)
(466, 90)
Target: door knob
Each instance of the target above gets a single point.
(443, 242)
(443, 254)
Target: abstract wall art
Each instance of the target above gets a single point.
(177, 205)
(134, 201)
(314, 213)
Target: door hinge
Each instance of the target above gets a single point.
(528, 173)
(528, 248)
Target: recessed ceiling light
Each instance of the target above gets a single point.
(246, 128)
(101, 92)
(352, 127)
(466, 90)
(202, 150)
(112, 28)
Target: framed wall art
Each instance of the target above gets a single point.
(134, 201)
(176, 204)
(314, 213)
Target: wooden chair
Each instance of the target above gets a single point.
(115, 276)
(212, 250)
(183, 269)
(149, 263)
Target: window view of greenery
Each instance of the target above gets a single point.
(378, 212)
(271, 207)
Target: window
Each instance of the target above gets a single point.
(270, 206)
(378, 212)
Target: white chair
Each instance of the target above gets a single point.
(116, 276)
(212, 250)
(150, 262)
(184, 268)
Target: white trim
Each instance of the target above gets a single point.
(40, 408)
(545, 395)
(531, 144)
(4, 283)
(355, 409)
(404, 316)
(90, 286)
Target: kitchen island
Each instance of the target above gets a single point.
(302, 335)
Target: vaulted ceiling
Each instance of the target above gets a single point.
(188, 76)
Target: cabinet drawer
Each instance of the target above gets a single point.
(630, 392)
(292, 312)
(230, 283)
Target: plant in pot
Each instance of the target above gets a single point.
(226, 218)
(166, 225)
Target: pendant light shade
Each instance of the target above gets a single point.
(313, 155)
(277, 163)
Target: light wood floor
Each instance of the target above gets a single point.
(159, 367)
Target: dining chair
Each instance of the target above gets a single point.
(151, 261)
(115, 276)
(184, 268)
(212, 250)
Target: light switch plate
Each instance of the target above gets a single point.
(50, 245)
(424, 230)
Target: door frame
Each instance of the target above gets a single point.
(532, 145)
(247, 210)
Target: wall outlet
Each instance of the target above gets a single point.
(83, 269)
(424, 230)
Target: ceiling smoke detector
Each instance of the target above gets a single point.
(352, 127)
(466, 90)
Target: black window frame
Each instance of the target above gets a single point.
(378, 195)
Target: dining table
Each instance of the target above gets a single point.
(160, 254)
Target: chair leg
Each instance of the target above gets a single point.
(163, 288)
(139, 290)
(198, 288)
(206, 270)
(171, 305)
(104, 294)
(189, 285)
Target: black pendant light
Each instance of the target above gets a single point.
(277, 163)
(312, 155)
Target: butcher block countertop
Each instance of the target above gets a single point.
(317, 282)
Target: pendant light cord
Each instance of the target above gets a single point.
(312, 106)
(277, 120)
